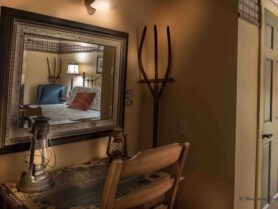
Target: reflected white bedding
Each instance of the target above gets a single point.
(60, 114)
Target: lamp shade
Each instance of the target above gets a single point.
(73, 69)
(100, 5)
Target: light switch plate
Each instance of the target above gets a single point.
(128, 97)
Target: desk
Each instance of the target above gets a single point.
(77, 187)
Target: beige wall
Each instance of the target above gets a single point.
(87, 64)
(247, 100)
(35, 73)
(204, 93)
(204, 35)
(11, 165)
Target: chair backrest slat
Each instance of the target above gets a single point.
(144, 194)
(111, 184)
(146, 163)
(151, 160)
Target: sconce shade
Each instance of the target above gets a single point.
(94, 5)
(89, 8)
(100, 5)
(73, 69)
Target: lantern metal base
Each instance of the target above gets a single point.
(117, 156)
(31, 184)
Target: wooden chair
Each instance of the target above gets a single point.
(173, 156)
(32, 111)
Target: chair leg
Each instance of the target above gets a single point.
(1, 202)
(176, 204)
(5, 205)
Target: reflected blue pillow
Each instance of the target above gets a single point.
(50, 94)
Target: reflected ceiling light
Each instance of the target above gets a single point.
(93, 5)
(81, 56)
(73, 69)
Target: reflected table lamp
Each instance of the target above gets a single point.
(73, 70)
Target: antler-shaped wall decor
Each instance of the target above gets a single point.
(53, 78)
(155, 89)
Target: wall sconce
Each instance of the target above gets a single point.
(73, 70)
(93, 5)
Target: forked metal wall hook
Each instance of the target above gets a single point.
(153, 84)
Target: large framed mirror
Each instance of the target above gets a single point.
(70, 72)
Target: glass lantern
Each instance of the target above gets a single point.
(37, 179)
(117, 145)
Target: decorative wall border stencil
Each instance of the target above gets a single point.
(249, 10)
(56, 47)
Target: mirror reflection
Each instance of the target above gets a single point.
(67, 81)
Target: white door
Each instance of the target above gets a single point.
(270, 126)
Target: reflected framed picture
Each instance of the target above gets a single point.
(99, 64)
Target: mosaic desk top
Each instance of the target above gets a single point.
(77, 187)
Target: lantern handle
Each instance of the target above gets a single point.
(32, 150)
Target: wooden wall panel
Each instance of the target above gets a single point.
(265, 176)
(268, 90)
(274, 169)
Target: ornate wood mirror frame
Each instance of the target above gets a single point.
(15, 24)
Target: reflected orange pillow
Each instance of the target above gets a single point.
(82, 100)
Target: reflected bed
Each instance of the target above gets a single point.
(61, 114)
